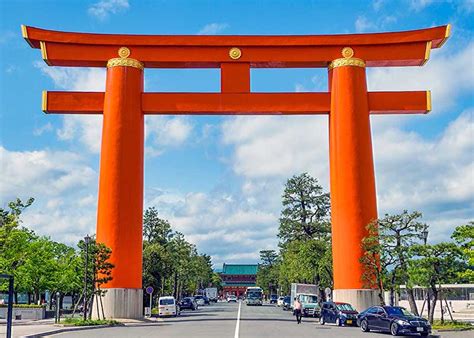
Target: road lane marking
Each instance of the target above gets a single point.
(237, 325)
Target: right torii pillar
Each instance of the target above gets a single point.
(352, 179)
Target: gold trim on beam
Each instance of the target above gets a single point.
(427, 53)
(44, 101)
(44, 53)
(428, 101)
(447, 34)
(24, 33)
(355, 62)
(124, 62)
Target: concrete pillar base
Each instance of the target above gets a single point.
(120, 304)
(361, 299)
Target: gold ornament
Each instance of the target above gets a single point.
(347, 52)
(124, 60)
(124, 52)
(235, 53)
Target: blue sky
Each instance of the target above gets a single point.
(219, 179)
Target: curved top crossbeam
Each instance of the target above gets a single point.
(409, 48)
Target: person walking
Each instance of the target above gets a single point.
(297, 309)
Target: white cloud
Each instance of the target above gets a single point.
(57, 180)
(419, 5)
(362, 24)
(448, 75)
(213, 28)
(43, 129)
(104, 8)
(220, 224)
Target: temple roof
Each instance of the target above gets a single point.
(240, 269)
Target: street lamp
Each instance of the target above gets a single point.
(424, 235)
(86, 241)
(58, 314)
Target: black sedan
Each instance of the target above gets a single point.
(394, 319)
(188, 303)
(338, 313)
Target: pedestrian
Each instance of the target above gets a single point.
(297, 310)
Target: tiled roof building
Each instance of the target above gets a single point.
(237, 277)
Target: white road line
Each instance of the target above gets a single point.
(237, 325)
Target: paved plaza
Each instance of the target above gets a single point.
(219, 320)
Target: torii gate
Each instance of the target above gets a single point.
(124, 104)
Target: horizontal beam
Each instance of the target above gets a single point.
(406, 54)
(410, 48)
(437, 35)
(237, 103)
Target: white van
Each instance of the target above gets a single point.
(167, 307)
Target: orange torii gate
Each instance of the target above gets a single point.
(124, 104)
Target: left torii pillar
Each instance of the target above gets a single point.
(120, 206)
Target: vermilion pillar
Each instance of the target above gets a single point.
(120, 208)
(352, 181)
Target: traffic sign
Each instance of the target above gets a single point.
(149, 290)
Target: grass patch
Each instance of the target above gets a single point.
(449, 325)
(89, 322)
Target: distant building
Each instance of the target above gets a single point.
(237, 277)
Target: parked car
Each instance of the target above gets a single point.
(286, 303)
(273, 299)
(206, 300)
(231, 298)
(280, 301)
(188, 303)
(167, 307)
(394, 319)
(338, 313)
(200, 300)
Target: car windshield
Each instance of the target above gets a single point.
(274, 296)
(287, 299)
(167, 301)
(308, 299)
(254, 294)
(345, 307)
(398, 311)
(198, 297)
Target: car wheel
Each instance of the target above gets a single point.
(321, 320)
(338, 322)
(394, 329)
(364, 325)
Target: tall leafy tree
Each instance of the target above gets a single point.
(463, 235)
(433, 265)
(305, 234)
(268, 271)
(305, 213)
(387, 252)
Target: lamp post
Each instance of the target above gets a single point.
(58, 314)
(424, 235)
(86, 241)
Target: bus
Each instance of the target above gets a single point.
(254, 295)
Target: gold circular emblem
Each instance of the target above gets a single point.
(235, 53)
(124, 52)
(347, 52)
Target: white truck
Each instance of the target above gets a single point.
(308, 296)
(211, 294)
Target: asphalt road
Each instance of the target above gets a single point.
(221, 320)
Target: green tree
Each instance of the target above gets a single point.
(387, 253)
(305, 234)
(464, 236)
(305, 213)
(268, 271)
(433, 265)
